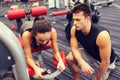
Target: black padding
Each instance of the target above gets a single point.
(68, 29)
(95, 17)
(26, 25)
(25, 1)
(69, 16)
(5, 55)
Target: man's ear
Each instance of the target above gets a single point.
(88, 18)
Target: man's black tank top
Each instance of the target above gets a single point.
(89, 42)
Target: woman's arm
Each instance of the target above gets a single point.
(55, 50)
(26, 37)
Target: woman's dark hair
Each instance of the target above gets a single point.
(82, 7)
(41, 25)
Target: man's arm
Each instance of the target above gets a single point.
(86, 68)
(104, 44)
(74, 46)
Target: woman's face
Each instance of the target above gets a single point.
(42, 38)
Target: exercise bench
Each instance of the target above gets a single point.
(57, 13)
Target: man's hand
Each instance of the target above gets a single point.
(86, 68)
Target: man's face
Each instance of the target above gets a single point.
(42, 38)
(79, 20)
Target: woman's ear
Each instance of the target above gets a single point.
(33, 34)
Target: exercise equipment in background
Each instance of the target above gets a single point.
(18, 14)
(58, 13)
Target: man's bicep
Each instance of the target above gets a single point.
(104, 44)
(73, 40)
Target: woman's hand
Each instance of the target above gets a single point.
(38, 72)
(61, 65)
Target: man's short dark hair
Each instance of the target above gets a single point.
(82, 7)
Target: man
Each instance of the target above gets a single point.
(96, 43)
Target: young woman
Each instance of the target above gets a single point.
(37, 37)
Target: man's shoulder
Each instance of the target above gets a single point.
(96, 25)
(99, 27)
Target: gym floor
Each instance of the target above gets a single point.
(110, 19)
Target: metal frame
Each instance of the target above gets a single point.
(8, 38)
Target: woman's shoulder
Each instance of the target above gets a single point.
(27, 34)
